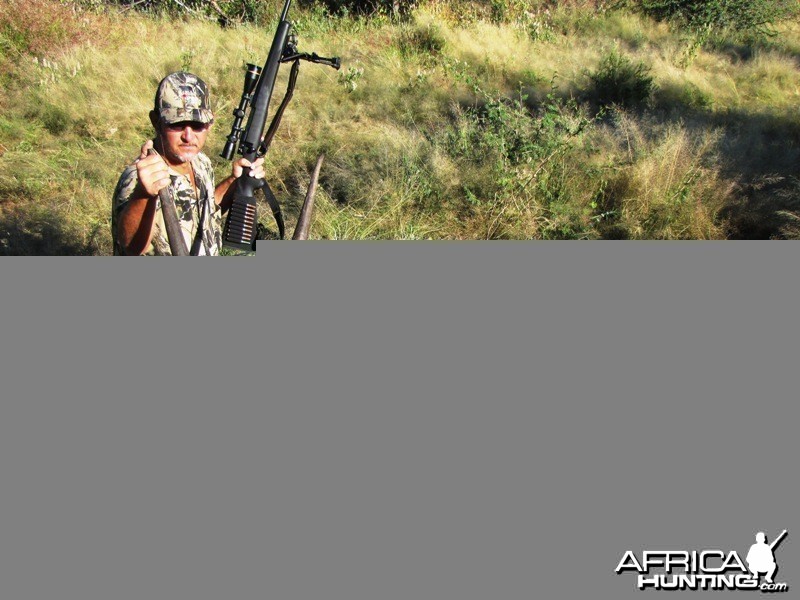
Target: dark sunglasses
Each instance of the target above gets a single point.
(195, 126)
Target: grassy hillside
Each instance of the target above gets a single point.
(574, 123)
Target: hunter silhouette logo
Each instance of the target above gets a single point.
(707, 569)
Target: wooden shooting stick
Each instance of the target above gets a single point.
(778, 540)
(177, 245)
(304, 220)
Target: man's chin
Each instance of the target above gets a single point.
(185, 157)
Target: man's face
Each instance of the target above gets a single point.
(183, 141)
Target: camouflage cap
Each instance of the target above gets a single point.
(183, 97)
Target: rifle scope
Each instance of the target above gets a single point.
(250, 80)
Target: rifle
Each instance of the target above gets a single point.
(242, 222)
(777, 540)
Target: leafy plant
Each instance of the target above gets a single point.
(349, 79)
(368, 7)
(707, 15)
(187, 56)
(618, 80)
(522, 166)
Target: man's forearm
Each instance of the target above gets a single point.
(135, 228)
(223, 194)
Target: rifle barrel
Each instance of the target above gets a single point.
(778, 540)
(285, 11)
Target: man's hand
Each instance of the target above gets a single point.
(152, 171)
(256, 168)
(223, 195)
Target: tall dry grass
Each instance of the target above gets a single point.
(436, 127)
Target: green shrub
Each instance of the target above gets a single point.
(504, 11)
(424, 39)
(225, 12)
(693, 97)
(620, 81)
(369, 7)
(55, 119)
(683, 96)
(739, 15)
(522, 165)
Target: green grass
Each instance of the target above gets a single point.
(439, 127)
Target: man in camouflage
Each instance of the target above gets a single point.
(181, 118)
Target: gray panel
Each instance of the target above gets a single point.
(388, 420)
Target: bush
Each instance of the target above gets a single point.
(228, 12)
(425, 39)
(522, 164)
(757, 16)
(225, 12)
(55, 119)
(621, 82)
(369, 7)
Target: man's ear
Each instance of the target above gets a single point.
(154, 119)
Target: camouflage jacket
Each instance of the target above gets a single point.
(199, 215)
